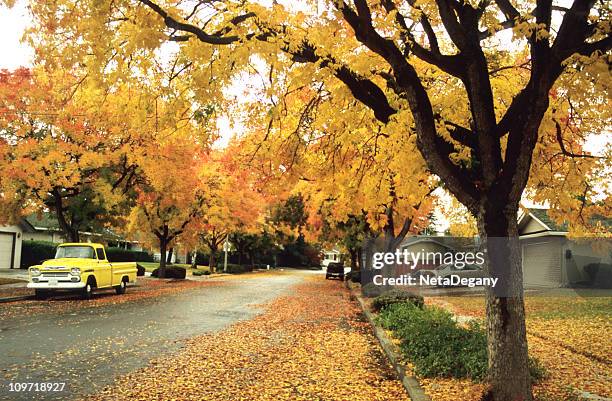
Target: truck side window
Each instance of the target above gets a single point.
(100, 253)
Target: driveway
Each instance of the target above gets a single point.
(87, 348)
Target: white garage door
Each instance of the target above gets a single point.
(542, 265)
(6, 250)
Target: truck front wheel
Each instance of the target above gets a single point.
(121, 287)
(86, 292)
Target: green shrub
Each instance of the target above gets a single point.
(370, 290)
(207, 272)
(235, 269)
(127, 255)
(354, 276)
(396, 296)
(35, 252)
(600, 275)
(140, 270)
(439, 347)
(536, 370)
(171, 272)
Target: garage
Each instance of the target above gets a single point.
(542, 264)
(7, 250)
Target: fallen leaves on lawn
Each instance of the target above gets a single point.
(569, 335)
(312, 345)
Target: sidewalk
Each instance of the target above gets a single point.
(18, 274)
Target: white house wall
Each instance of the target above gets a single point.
(15, 234)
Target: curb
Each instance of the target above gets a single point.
(13, 299)
(410, 383)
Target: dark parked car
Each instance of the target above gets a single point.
(335, 270)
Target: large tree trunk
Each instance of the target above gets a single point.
(163, 247)
(212, 260)
(71, 233)
(506, 334)
(353, 253)
(169, 257)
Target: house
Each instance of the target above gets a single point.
(550, 259)
(427, 245)
(44, 227)
(331, 256)
(11, 238)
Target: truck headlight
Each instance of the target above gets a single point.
(75, 271)
(35, 271)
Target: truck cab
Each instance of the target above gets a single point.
(80, 267)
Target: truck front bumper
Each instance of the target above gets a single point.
(58, 286)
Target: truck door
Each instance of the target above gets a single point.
(103, 269)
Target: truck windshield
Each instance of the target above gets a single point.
(85, 252)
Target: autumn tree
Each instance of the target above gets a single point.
(61, 155)
(235, 204)
(173, 192)
(498, 132)
(438, 70)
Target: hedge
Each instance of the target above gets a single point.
(35, 252)
(396, 296)
(127, 255)
(600, 275)
(438, 346)
(171, 272)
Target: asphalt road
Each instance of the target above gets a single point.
(87, 348)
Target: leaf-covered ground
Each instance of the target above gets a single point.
(145, 287)
(311, 345)
(568, 333)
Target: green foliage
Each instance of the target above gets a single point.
(140, 270)
(236, 269)
(537, 370)
(438, 346)
(396, 296)
(127, 255)
(35, 252)
(292, 212)
(201, 273)
(171, 272)
(354, 276)
(299, 253)
(600, 275)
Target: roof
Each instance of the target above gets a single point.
(44, 220)
(451, 243)
(542, 215)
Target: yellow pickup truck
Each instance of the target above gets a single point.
(80, 267)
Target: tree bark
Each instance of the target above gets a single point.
(169, 257)
(72, 234)
(212, 260)
(353, 253)
(163, 246)
(506, 334)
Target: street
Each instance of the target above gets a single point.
(87, 348)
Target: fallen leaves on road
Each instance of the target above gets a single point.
(146, 288)
(312, 345)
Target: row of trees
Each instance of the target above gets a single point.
(364, 107)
